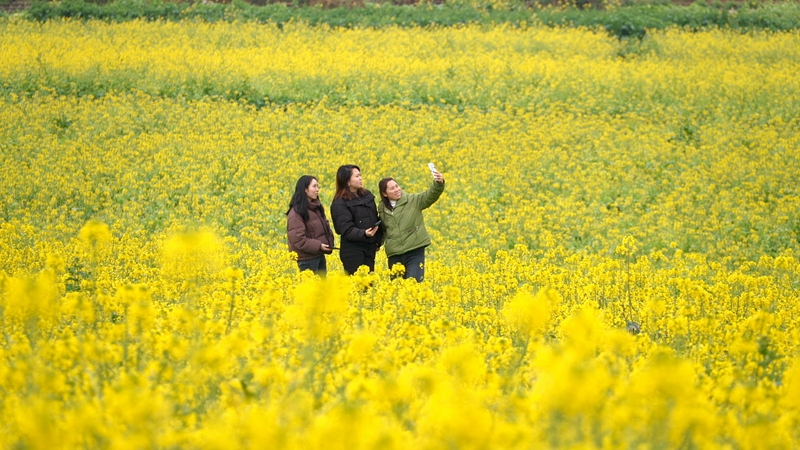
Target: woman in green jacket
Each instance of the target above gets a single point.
(405, 236)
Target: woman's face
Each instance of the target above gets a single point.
(312, 191)
(393, 191)
(355, 182)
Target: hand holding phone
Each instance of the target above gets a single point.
(436, 175)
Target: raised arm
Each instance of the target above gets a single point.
(433, 193)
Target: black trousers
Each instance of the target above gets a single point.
(413, 261)
(317, 265)
(355, 257)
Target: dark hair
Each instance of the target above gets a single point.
(300, 198)
(342, 178)
(382, 185)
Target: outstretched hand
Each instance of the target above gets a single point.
(438, 177)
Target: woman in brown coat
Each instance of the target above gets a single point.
(308, 231)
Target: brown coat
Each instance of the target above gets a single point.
(306, 238)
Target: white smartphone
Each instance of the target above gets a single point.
(433, 168)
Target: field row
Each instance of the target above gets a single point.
(698, 76)
(491, 352)
(147, 165)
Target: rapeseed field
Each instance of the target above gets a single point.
(614, 260)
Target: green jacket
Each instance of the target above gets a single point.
(403, 228)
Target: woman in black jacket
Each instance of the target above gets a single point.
(355, 218)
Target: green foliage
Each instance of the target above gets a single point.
(117, 11)
(623, 22)
(634, 21)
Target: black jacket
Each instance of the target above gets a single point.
(351, 219)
